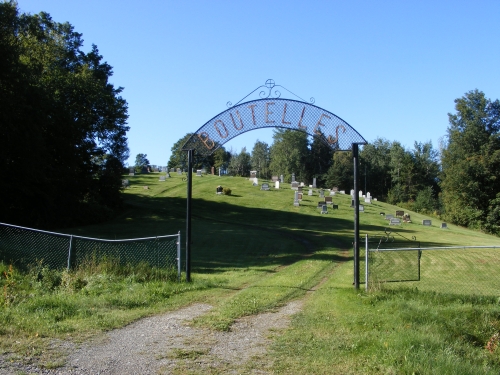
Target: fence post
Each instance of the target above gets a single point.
(366, 262)
(71, 254)
(179, 256)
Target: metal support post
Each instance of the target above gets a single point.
(179, 256)
(355, 157)
(188, 214)
(71, 254)
(366, 262)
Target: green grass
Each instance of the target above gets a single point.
(254, 251)
(406, 331)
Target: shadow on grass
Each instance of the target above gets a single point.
(227, 236)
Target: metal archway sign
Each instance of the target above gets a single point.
(273, 111)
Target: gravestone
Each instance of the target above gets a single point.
(219, 190)
(299, 196)
(198, 173)
(400, 213)
(310, 192)
(368, 195)
(352, 193)
(389, 217)
(335, 189)
(342, 191)
(444, 226)
(395, 221)
(125, 183)
(172, 170)
(282, 179)
(352, 203)
(274, 178)
(321, 204)
(203, 171)
(382, 214)
(427, 223)
(132, 174)
(299, 188)
(321, 193)
(276, 184)
(167, 175)
(302, 184)
(374, 199)
(162, 178)
(324, 209)
(328, 200)
(332, 192)
(179, 171)
(255, 181)
(264, 187)
(253, 174)
(296, 199)
(361, 208)
(293, 177)
(361, 193)
(368, 200)
(295, 185)
(335, 206)
(314, 182)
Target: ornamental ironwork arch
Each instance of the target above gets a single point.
(273, 112)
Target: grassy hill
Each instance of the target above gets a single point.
(253, 251)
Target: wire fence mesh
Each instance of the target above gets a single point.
(465, 270)
(25, 246)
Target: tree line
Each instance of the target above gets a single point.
(62, 125)
(459, 183)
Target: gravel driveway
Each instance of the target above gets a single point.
(166, 344)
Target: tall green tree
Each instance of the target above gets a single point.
(375, 167)
(471, 163)
(221, 159)
(178, 157)
(141, 163)
(239, 164)
(289, 154)
(61, 120)
(320, 159)
(260, 159)
(341, 173)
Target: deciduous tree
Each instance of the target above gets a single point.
(62, 121)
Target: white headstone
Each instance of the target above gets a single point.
(352, 193)
(276, 184)
(361, 193)
(255, 181)
(310, 192)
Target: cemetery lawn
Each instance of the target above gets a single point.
(253, 251)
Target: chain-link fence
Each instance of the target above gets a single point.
(471, 270)
(24, 246)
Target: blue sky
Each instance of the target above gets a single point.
(391, 69)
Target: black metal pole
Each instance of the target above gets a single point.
(355, 157)
(188, 214)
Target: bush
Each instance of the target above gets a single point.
(226, 191)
